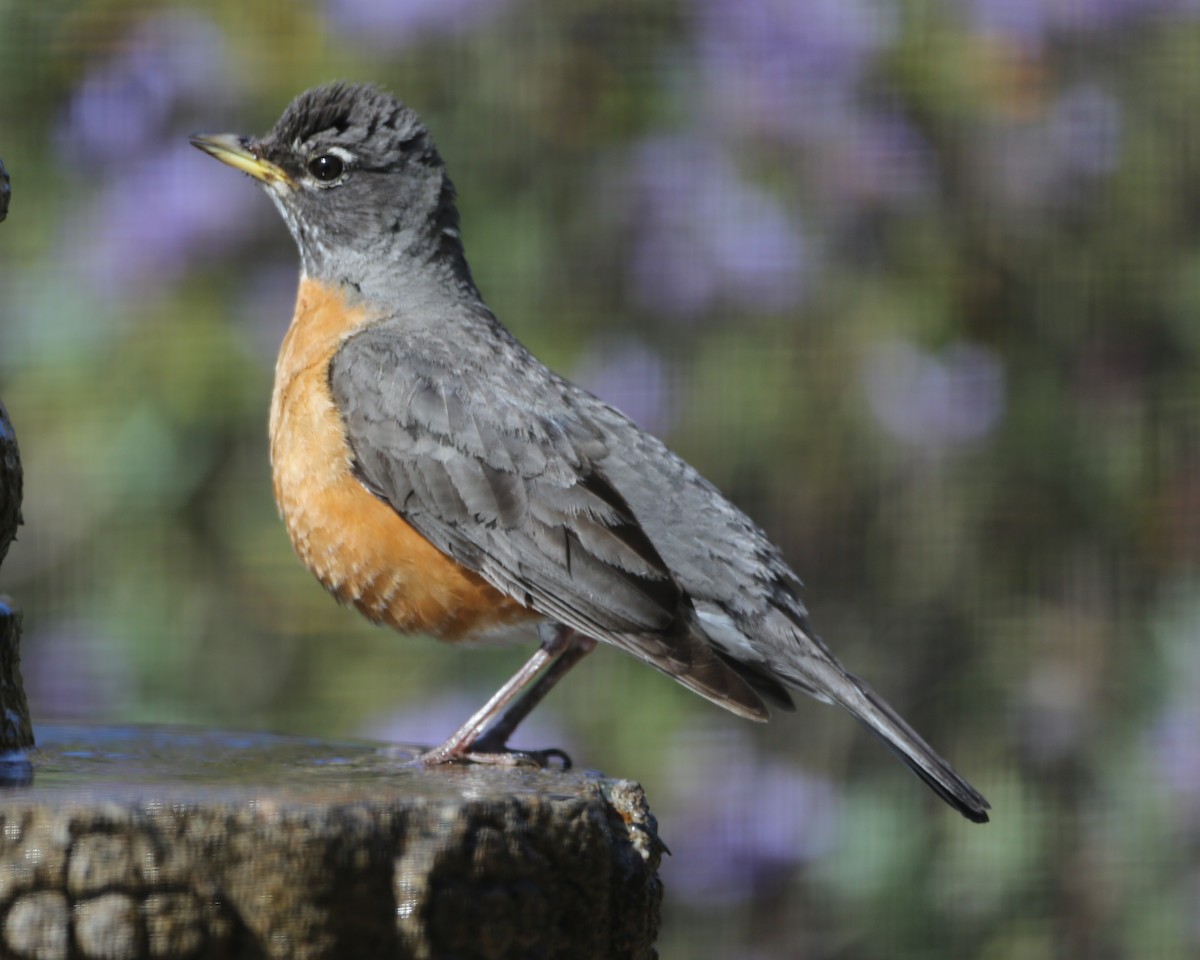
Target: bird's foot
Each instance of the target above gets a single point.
(499, 756)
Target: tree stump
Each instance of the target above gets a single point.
(148, 843)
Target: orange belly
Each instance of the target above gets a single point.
(354, 543)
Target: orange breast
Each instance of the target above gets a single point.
(356, 545)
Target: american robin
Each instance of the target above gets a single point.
(437, 476)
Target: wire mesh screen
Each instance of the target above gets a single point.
(917, 285)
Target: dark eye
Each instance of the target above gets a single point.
(327, 167)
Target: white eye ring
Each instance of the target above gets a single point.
(329, 166)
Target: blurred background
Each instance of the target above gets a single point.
(917, 284)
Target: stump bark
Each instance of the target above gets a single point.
(144, 843)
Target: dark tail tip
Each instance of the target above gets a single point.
(919, 756)
(953, 789)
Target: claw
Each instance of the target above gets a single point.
(501, 757)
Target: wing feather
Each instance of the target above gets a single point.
(516, 491)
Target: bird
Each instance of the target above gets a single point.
(435, 475)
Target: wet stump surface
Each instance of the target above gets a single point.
(135, 843)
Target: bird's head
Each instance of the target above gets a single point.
(357, 178)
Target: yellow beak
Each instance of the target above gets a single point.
(231, 149)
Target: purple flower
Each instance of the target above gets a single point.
(934, 400)
(128, 104)
(704, 236)
(1033, 21)
(633, 378)
(1024, 20)
(1042, 167)
(1085, 126)
(392, 24)
(153, 220)
(875, 157)
(784, 68)
(1175, 741)
(778, 70)
(742, 822)
(157, 205)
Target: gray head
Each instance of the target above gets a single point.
(358, 180)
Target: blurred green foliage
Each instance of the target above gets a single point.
(916, 285)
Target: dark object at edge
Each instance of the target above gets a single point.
(16, 733)
(11, 483)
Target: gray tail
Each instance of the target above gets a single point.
(908, 745)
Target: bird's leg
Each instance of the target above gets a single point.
(484, 737)
(573, 647)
